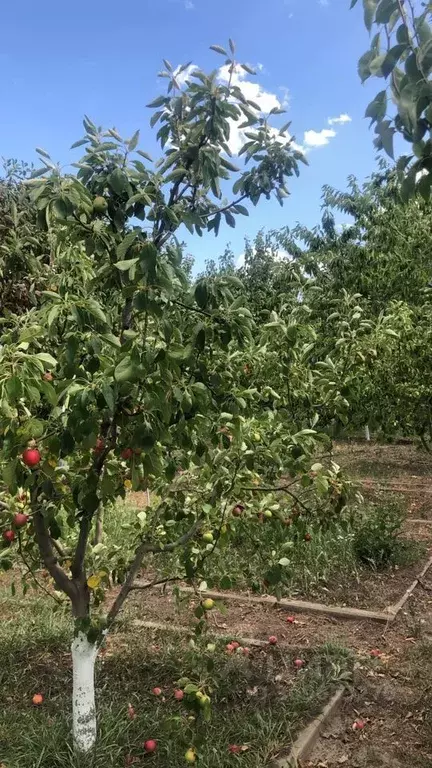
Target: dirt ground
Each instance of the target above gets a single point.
(391, 694)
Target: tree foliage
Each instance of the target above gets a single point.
(401, 54)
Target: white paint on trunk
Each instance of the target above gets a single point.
(367, 433)
(83, 702)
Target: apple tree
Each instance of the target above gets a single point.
(124, 375)
(400, 54)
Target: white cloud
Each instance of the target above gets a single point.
(188, 4)
(253, 91)
(341, 120)
(265, 101)
(318, 138)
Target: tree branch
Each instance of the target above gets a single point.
(145, 548)
(280, 488)
(43, 540)
(225, 208)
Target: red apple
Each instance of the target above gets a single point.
(234, 749)
(150, 745)
(37, 699)
(308, 537)
(9, 536)
(31, 457)
(178, 694)
(127, 454)
(238, 510)
(299, 663)
(375, 653)
(272, 640)
(246, 651)
(229, 648)
(20, 519)
(358, 725)
(100, 445)
(290, 619)
(235, 644)
(48, 376)
(157, 691)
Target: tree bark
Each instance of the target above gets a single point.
(83, 698)
(98, 527)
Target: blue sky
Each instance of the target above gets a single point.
(61, 60)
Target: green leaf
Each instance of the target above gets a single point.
(123, 266)
(133, 142)
(377, 108)
(369, 9)
(79, 143)
(219, 49)
(118, 181)
(48, 359)
(425, 57)
(391, 59)
(43, 153)
(159, 102)
(144, 155)
(375, 66)
(125, 244)
(248, 69)
(126, 370)
(385, 10)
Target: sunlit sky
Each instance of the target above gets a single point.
(59, 61)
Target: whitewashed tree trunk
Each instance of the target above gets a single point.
(83, 702)
(367, 433)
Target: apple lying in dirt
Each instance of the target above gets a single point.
(178, 694)
(9, 536)
(208, 604)
(37, 699)
(375, 653)
(150, 745)
(272, 640)
(20, 519)
(290, 620)
(308, 537)
(157, 691)
(31, 457)
(190, 756)
(358, 725)
(299, 663)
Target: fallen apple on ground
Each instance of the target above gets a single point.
(150, 745)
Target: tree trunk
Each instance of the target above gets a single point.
(367, 433)
(98, 527)
(83, 699)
